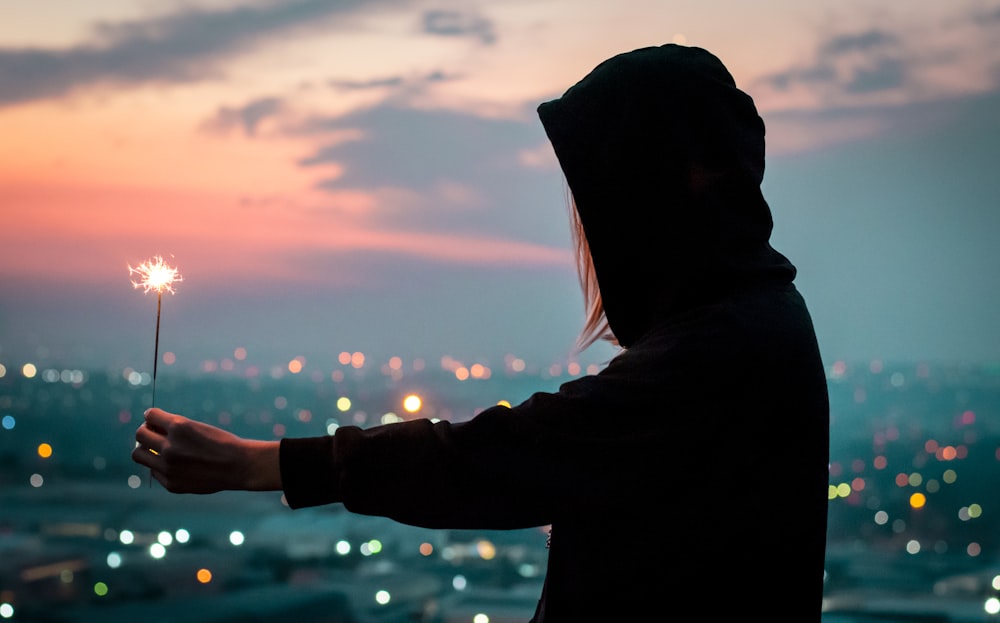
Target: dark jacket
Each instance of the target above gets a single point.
(690, 475)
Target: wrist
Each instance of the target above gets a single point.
(263, 472)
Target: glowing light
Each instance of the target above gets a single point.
(236, 538)
(459, 583)
(992, 606)
(6, 610)
(426, 549)
(114, 560)
(3, 370)
(182, 535)
(155, 275)
(504, 403)
(881, 518)
(461, 373)
(204, 576)
(395, 363)
(165, 538)
(918, 500)
(382, 597)
(36, 480)
(100, 589)
(374, 546)
(913, 547)
(342, 547)
(127, 537)
(949, 476)
(240, 353)
(480, 618)
(412, 403)
(134, 482)
(29, 370)
(343, 403)
(156, 550)
(974, 549)
(357, 359)
(295, 365)
(486, 550)
(44, 450)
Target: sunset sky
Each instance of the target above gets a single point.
(335, 175)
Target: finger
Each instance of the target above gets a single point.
(158, 419)
(148, 438)
(143, 456)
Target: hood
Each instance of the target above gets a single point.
(664, 157)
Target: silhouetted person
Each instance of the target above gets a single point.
(689, 477)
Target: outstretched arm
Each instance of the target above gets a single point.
(187, 456)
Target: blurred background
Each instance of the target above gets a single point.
(363, 207)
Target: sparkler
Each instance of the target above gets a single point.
(153, 274)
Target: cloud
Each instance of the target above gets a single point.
(445, 171)
(185, 46)
(392, 82)
(419, 148)
(450, 23)
(855, 63)
(247, 117)
(858, 42)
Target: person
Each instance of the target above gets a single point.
(687, 476)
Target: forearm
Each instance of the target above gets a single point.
(261, 471)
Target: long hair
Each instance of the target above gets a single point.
(595, 325)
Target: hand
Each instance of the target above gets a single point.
(187, 456)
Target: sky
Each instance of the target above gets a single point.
(336, 176)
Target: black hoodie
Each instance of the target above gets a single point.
(688, 479)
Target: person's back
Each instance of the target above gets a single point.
(718, 452)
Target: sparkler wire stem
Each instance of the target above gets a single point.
(156, 347)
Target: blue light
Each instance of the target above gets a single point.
(8, 422)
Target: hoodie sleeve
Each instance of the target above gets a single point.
(507, 467)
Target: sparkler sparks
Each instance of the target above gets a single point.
(154, 274)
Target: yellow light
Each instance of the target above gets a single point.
(44, 450)
(29, 370)
(204, 576)
(918, 500)
(486, 549)
(412, 403)
(343, 403)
